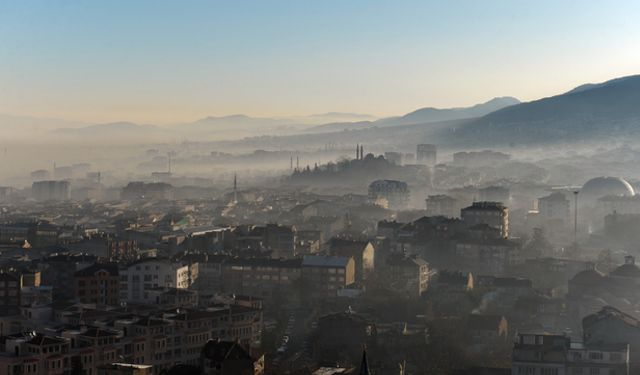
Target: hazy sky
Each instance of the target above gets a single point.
(168, 61)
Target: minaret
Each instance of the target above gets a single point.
(235, 188)
(357, 151)
(291, 164)
(361, 152)
(169, 162)
(364, 364)
(297, 162)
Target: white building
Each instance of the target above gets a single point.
(150, 273)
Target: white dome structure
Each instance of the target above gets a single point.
(600, 187)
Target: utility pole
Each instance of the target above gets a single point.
(575, 219)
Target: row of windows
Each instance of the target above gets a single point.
(530, 370)
(95, 282)
(197, 338)
(45, 349)
(147, 268)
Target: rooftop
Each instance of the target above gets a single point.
(324, 261)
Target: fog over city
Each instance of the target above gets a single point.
(319, 188)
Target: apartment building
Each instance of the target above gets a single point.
(547, 354)
(327, 274)
(99, 283)
(151, 273)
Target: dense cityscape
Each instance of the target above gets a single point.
(496, 277)
(329, 187)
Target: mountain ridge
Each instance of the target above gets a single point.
(607, 108)
(425, 115)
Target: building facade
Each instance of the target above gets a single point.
(99, 283)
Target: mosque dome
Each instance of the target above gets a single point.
(605, 186)
(628, 269)
(588, 277)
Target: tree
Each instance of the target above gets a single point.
(538, 245)
(605, 261)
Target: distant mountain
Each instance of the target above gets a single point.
(341, 126)
(234, 126)
(232, 122)
(606, 109)
(260, 124)
(430, 114)
(114, 131)
(424, 115)
(331, 117)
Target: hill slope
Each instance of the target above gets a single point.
(423, 116)
(611, 108)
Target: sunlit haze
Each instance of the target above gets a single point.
(165, 62)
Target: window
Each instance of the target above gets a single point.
(595, 355)
(526, 370)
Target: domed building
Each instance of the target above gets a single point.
(586, 281)
(628, 270)
(600, 187)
